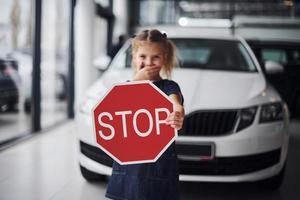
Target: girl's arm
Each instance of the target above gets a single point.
(175, 119)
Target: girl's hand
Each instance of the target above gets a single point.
(175, 119)
(147, 73)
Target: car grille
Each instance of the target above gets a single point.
(230, 165)
(209, 123)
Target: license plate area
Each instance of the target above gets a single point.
(196, 151)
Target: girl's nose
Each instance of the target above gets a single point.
(148, 61)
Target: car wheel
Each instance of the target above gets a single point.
(61, 93)
(91, 176)
(274, 182)
(27, 106)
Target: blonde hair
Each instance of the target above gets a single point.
(168, 47)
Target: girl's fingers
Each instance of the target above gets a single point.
(178, 127)
(149, 72)
(177, 123)
(174, 117)
(175, 120)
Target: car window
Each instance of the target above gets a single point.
(295, 57)
(128, 57)
(120, 59)
(198, 55)
(213, 54)
(283, 56)
(277, 55)
(209, 54)
(247, 57)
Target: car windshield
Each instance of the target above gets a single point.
(211, 54)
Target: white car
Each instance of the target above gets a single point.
(236, 124)
(48, 76)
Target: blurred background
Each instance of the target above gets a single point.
(16, 65)
(74, 34)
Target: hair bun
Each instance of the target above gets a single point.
(165, 35)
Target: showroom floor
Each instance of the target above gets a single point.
(46, 167)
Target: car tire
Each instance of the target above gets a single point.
(92, 176)
(62, 95)
(274, 182)
(27, 106)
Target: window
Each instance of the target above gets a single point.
(213, 54)
(54, 61)
(15, 67)
(276, 55)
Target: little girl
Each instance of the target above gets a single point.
(153, 57)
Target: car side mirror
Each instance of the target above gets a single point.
(101, 62)
(272, 67)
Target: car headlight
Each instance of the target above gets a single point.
(271, 112)
(246, 116)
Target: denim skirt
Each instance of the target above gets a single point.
(150, 181)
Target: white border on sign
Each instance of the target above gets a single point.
(134, 162)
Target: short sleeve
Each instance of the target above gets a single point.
(171, 87)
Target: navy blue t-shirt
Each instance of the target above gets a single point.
(149, 181)
(169, 87)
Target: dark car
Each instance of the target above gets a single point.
(9, 93)
(286, 53)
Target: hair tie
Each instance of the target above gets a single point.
(133, 36)
(165, 35)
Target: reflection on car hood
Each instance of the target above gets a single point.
(204, 89)
(212, 89)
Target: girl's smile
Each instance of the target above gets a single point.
(149, 55)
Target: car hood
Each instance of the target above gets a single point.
(213, 89)
(205, 89)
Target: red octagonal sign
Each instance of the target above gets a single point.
(130, 123)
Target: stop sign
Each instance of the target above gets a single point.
(129, 122)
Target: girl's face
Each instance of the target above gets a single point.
(149, 55)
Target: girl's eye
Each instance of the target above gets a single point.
(142, 56)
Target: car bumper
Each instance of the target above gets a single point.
(255, 153)
(230, 169)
